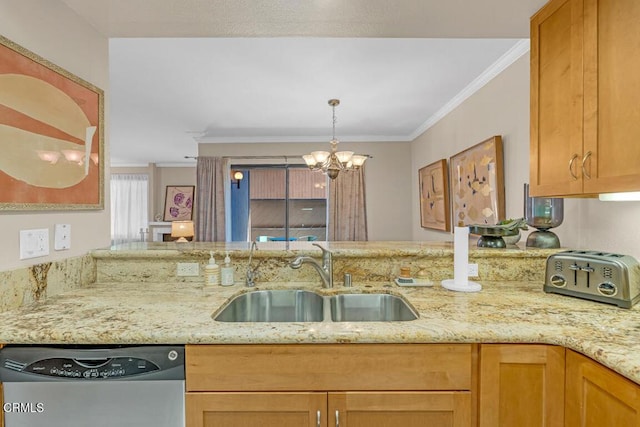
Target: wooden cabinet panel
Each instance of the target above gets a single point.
(521, 385)
(612, 91)
(306, 184)
(556, 99)
(255, 409)
(596, 396)
(267, 184)
(406, 409)
(299, 367)
(585, 119)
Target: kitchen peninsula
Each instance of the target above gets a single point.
(137, 299)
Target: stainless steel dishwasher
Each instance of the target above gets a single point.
(93, 386)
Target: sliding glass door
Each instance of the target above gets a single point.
(278, 203)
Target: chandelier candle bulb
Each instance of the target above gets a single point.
(460, 281)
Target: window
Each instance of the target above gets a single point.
(277, 203)
(129, 207)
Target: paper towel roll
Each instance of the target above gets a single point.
(461, 256)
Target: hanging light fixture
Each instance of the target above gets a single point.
(331, 163)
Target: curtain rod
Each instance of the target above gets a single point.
(285, 157)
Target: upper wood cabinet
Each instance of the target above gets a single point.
(271, 184)
(596, 396)
(521, 385)
(585, 119)
(306, 184)
(267, 183)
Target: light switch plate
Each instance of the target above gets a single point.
(473, 270)
(62, 237)
(187, 269)
(34, 243)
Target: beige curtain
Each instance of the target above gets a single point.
(347, 207)
(211, 173)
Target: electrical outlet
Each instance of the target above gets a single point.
(188, 269)
(34, 243)
(473, 270)
(62, 237)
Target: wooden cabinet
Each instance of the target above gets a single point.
(596, 396)
(271, 184)
(521, 385)
(585, 120)
(353, 384)
(306, 184)
(406, 409)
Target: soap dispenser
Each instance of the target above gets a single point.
(212, 271)
(227, 271)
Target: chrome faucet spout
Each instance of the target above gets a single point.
(252, 272)
(325, 270)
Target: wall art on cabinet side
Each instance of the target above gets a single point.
(477, 184)
(51, 135)
(433, 182)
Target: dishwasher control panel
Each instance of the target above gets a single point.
(28, 363)
(91, 368)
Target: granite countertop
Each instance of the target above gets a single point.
(181, 313)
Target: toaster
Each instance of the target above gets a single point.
(598, 276)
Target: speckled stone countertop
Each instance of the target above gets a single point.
(503, 312)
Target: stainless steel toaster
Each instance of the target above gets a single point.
(598, 276)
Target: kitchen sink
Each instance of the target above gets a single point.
(308, 306)
(274, 306)
(370, 308)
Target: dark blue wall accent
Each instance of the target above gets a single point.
(240, 207)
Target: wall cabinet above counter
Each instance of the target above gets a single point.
(585, 120)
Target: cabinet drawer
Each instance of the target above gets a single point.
(329, 367)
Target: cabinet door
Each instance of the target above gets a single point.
(596, 396)
(521, 385)
(256, 409)
(406, 409)
(612, 91)
(556, 99)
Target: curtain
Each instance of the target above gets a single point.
(129, 207)
(212, 173)
(347, 207)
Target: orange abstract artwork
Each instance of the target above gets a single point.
(51, 135)
(434, 196)
(477, 184)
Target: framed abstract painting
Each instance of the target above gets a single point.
(51, 135)
(433, 182)
(477, 184)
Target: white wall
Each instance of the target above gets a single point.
(53, 31)
(502, 108)
(387, 178)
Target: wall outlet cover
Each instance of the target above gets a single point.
(473, 270)
(34, 243)
(62, 237)
(187, 269)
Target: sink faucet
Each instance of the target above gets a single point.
(252, 272)
(325, 270)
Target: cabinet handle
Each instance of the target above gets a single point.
(584, 159)
(573, 159)
(337, 418)
(318, 418)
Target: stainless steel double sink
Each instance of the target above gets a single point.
(308, 306)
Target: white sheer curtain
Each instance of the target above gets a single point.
(129, 207)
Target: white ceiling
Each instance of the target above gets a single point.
(263, 70)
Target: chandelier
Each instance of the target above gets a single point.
(331, 163)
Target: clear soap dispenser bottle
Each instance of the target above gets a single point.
(227, 271)
(212, 272)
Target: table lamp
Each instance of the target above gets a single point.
(182, 230)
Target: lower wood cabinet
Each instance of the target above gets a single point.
(521, 385)
(341, 409)
(597, 397)
(345, 385)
